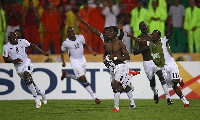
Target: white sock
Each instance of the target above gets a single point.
(166, 91)
(38, 90)
(89, 89)
(155, 91)
(32, 89)
(116, 100)
(72, 76)
(184, 99)
(130, 96)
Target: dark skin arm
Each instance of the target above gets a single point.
(141, 50)
(93, 29)
(170, 30)
(89, 49)
(63, 58)
(136, 39)
(120, 26)
(33, 46)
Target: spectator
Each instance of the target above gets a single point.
(192, 27)
(31, 18)
(13, 18)
(161, 4)
(71, 21)
(62, 14)
(157, 19)
(97, 44)
(131, 4)
(178, 42)
(125, 17)
(2, 27)
(51, 22)
(110, 12)
(40, 28)
(85, 12)
(138, 14)
(25, 4)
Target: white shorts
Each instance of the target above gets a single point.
(79, 66)
(150, 68)
(27, 66)
(121, 73)
(171, 72)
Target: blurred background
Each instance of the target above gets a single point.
(44, 23)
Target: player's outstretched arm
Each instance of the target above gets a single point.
(63, 58)
(136, 39)
(89, 49)
(120, 26)
(170, 30)
(93, 29)
(33, 46)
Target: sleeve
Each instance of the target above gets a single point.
(164, 39)
(26, 43)
(5, 51)
(64, 46)
(105, 11)
(101, 36)
(115, 10)
(83, 39)
(148, 42)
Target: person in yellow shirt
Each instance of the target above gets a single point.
(138, 14)
(157, 19)
(192, 27)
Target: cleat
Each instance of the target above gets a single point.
(115, 110)
(156, 99)
(44, 99)
(186, 105)
(132, 106)
(63, 75)
(181, 83)
(38, 103)
(169, 102)
(97, 101)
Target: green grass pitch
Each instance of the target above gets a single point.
(88, 110)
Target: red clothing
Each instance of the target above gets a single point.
(30, 18)
(97, 43)
(13, 19)
(84, 30)
(51, 22)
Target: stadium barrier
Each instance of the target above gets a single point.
(47, 76)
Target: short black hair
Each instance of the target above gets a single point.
(115, 28)
(159, 33)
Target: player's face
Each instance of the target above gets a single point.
(143, 27)
(70, 33)
(13, 38)
(155, 36)
(106, 33)
(112, 34)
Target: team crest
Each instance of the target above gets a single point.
(21, 45)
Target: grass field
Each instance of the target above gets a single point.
(88, 110)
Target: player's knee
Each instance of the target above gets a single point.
(163, 82)
(127, 89)
(86, 84)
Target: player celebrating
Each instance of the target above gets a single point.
(14, 52)
(74, 44)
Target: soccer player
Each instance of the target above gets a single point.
(162, 57)
(74, 44)
(148, 64)
(118, 53)
(14, 52)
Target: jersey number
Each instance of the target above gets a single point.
(17, 50)
(76, 46)
(175, 75)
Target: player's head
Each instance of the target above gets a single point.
(156, 35)
(70, 32)
(106, 33)
(18, 32)
(143, 27)
(12, 37)
(113, 31)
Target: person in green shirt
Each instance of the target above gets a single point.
(192, 27)
(2, 27)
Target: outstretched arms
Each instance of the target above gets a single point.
(33, 46)
(93, 29)
(170, 30)
(136, 39)
(89, 49)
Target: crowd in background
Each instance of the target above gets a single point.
(44, 22)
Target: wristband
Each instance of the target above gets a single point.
(115, 58)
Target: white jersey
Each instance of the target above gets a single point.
(74, 48)
(168, 58)
(16, 51)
